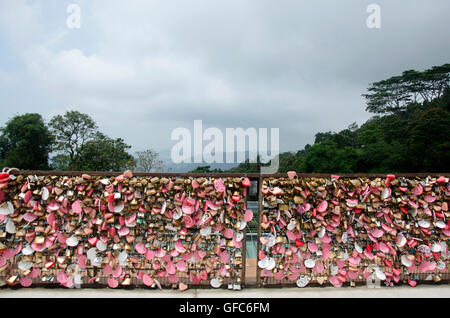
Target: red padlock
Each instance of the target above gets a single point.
(441, 179)
(112, 231)
(437, 255)
(403, 210)
(4, 177)
(299, 243)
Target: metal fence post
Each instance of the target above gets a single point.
(244, 245)
(260, 209)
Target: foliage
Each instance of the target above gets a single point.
(396, 93)
(102, 153)
(71, 132)
(80, 146)
(25, 143)
(147, 161)
(429, 145)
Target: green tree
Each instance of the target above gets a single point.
(71, 132)
(102, 153)
(429, 145)
(381, 145)
(396, 93)
(25, 142)
(327, 157)
(287, 161)
(323, 136)
(387, 95)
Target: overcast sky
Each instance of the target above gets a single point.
(143, 68)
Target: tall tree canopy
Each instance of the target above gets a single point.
(396, 93)
(102, 153)
(25, 142)
(80, 146)
(71, 132)
(429, 142)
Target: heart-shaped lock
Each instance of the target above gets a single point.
(92, 241)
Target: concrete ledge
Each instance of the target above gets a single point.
(441, 291)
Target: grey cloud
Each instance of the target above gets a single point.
(143, 68)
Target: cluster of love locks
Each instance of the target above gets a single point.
(340, 230)
(180, 231)
(122, 230)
